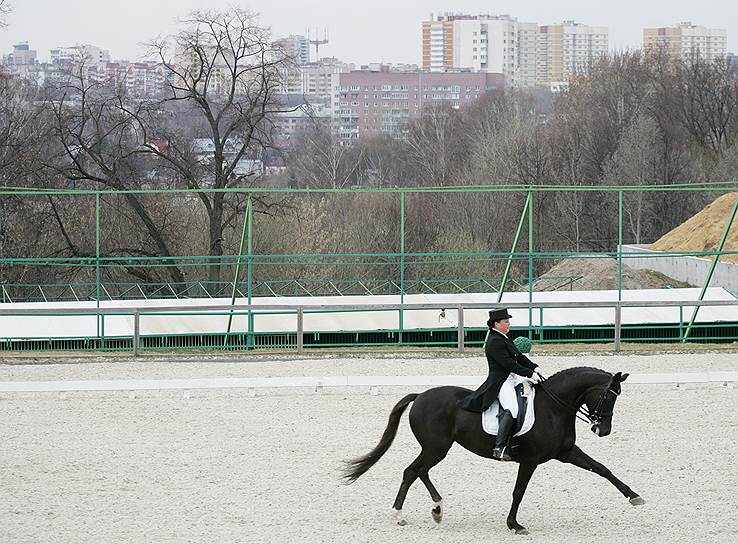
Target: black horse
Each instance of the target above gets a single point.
(437, 422)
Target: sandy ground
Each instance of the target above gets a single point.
(220, 466)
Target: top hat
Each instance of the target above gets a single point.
(499, 314)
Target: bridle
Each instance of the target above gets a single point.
(594, 417)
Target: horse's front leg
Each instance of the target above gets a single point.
(525, 471)
(577, 457)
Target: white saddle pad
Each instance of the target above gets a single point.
(489, 416)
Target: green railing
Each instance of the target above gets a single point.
(459, 336)
(398, 271)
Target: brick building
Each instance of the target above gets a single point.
(384, 101)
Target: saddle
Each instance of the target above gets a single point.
(525, 393)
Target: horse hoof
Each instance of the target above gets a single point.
(401, 522)
(437, 512)
(519, 530)
(397, 514)
(637, 501)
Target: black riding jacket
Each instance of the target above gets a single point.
(503, 358)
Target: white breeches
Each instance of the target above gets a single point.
(507, 398)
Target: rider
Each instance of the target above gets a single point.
(505, 361)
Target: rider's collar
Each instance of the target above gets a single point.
(498, 332)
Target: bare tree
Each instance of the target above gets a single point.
(434, 145)
(24, 129)
(5, 8)
(226, 72)
(102, 145)
(708, 103)
(603, 105)
(636, 162)
(506, 143)
(568, 144)
(384, 161)
(24, 139)
(318, 159)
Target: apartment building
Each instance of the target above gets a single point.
(297, 117)
(136, 79)
(568, 50)
(686, 41)
(384, 101)
(526, 54)
(481, 43)
(22, 61)
(321, 79)
(89, 54)
(296, 47)
(22, 55)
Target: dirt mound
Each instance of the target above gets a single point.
(598, 274)
(704, 231)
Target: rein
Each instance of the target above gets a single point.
(592, 418)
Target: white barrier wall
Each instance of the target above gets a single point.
(18, 327)
(692, 270)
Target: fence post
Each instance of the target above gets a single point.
(530, 264)
(136, 332)
(618, 318)
(300, 328)
(97, 262)
(402, 265)
(620, 245)
(460, 333)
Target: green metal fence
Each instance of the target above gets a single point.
(251, 272)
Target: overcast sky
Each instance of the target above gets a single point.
(360, 32)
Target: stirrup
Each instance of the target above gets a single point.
(500, 454)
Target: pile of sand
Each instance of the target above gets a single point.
(704, 231)
(598, 274)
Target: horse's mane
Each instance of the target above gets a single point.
(577, 369)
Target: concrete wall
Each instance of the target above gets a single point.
(692, 270)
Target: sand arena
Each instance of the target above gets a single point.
(262, 465)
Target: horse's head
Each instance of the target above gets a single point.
(600, 401)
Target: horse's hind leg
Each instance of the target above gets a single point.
(437, 510)
(408, 477)
(419, 469)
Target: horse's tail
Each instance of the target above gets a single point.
(356, 467)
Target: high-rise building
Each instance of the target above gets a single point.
(568, 50)
(296, 47)
(686, 41)
(321, 79)
(526, 54)
(481, 43)
(318, 80)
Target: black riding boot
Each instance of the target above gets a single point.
(505, 425)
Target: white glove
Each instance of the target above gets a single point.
(536, 378)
